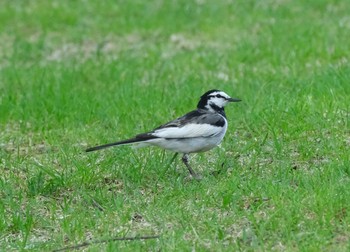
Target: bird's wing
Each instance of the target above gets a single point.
(197, 123)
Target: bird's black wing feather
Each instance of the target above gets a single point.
(197, 116)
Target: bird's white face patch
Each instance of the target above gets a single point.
(218, 98)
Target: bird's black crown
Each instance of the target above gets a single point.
(205, 97)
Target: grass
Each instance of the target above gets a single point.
(79, 73)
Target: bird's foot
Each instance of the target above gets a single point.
(197, 177)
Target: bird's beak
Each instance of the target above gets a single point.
(234, 99)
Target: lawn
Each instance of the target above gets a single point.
(74, 74)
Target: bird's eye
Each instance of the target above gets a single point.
(218, 96)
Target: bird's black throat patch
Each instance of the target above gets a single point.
(218, 109)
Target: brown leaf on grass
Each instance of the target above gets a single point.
(341, 214)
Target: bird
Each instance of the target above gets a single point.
(197, 131)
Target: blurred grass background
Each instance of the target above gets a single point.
(78, 73)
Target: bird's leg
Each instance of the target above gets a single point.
(185, 161)
(172, 160)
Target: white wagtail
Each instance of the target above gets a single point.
(198, 131)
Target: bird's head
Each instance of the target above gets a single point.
(215, 100)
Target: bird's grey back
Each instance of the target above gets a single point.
(197, 116)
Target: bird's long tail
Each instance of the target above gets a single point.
(138, 139)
